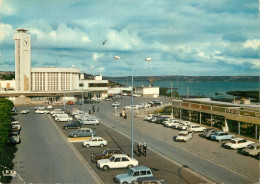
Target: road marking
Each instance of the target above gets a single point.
(81, 158)
(78, 139)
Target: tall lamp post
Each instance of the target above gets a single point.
(132, 130)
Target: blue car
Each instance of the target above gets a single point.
(132, 174)
(219, 136)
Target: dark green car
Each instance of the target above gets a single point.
(73, 124)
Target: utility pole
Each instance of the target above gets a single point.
(187, 92)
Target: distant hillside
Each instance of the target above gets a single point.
(190, 78)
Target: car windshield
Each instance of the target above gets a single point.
(105, 152)
(111, 158)
(251, 147)
(182, 134)
(233, 141)
(130, 172)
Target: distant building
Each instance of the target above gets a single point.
(47, 83)
(148, 92)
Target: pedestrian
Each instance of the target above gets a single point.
(139, 147)
(144, 149)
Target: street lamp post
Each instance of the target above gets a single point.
(132, 129)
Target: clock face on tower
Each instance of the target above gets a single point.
(26, 42)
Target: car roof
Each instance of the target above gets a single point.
(237, 139)
(15, 122)
(220, 132)
(113, 149)
(120, 155)
(139, 168)
(255, 144)
(96, 138)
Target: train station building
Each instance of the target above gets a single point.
(47, 83)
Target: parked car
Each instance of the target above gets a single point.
(238, 143)
(56, 111)
(42, 111)
(132, 174)
(161, 119)
(117, 161)
(208, 132)
(16, 124)
(196, 128)
(184, 125)
(49, 107)
(171, 123)
(63, 117)
(116, 104)
(252, 149)
(82, 132)
(184, 136)
(14, 139)
(219, 136)
(73, 124)
(136, 95)
(81, 116)
(148, 180)
(94, 141)
(70, 103)
(91, 120)
(148, 117)
(107, 153)
(14, 110)
(39, 107)
(25, 111)
(79, 102)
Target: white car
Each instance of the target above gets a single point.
(116, 104)
(196, 128)
(25, 111)
(130, 107)
(95, 141)
(81, 116)
(49, 106)
(63, 117)
(92, 120)
(39, 111)
(117, 161)
(56, 111)
(171, 123)
(16, 124)
(184, 136)
(184, 125)
(136, 95)
(39, 107)
(238, 143)
(148, 117)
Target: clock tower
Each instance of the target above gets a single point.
(22, 60)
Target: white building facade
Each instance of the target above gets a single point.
(46, 82)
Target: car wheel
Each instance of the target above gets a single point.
(74, 135)
(129, 166)
(105, 168)
(125, 182)
(87, 146)
(101, 145)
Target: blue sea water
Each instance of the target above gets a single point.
(207, 89)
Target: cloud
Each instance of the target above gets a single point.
(96, 56)
(6, 9)
(254, 44)
(6, 31)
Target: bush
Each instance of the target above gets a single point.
(6, 152)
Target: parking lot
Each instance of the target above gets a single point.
(161, 167)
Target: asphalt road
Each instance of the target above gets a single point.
(45, 157)
(202, 156)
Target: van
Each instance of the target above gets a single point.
(62, 117)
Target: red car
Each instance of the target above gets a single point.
(70, 103)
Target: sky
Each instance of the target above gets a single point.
(187, 37)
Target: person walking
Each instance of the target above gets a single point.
(139, 147)
(144, 149)
(89, 111)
